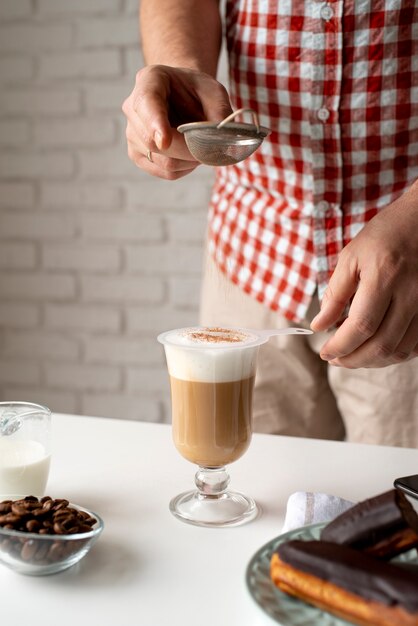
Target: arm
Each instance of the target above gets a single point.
(181, 33)
(181, 41)
(378, 272)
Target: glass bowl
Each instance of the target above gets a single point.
(37, 555)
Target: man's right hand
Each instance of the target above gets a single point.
(163, 98)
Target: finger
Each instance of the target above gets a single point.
(149, 102)
(215, 100)
(163, 161)
(367, 310)
(176, 150)
(342, 285)
(380, 349)
(160, 165)
(407, 347)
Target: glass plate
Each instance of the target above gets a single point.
(286, 610)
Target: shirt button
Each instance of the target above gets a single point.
(322, 207)
(323, 114)
(326, 12)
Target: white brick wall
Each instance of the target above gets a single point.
(96, 258)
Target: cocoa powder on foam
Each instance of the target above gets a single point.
(217, 335)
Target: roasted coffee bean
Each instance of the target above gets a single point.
(39, 512)
(9, 518)
(84, 528)
(63, 513)
(6, 545)
(19, 509)
(59, 529)
(47, 505)
(69, 522)
(33, 526)
(31, 505)
(60, 504)
(6, 506)
(29, 550)
(42, 551)
(56, 551)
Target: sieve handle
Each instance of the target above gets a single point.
(238, 112)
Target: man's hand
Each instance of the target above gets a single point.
(378, 270)
(163, 98)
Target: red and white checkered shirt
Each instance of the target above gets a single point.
(337, 82)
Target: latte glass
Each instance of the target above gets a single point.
(212, 372)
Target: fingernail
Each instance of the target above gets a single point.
(158, 139)
(328, 357)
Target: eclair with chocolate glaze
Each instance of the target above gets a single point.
(347, 582)
(383, 526)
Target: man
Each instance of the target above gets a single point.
(325, 211)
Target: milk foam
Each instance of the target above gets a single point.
(211, 354)
(24, 467)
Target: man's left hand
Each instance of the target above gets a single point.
(378, 272)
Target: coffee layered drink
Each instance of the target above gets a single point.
(212, 373)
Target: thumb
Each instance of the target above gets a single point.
(215, 100)
(217, 111)
(341, 288)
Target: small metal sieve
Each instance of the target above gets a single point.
(226, 142)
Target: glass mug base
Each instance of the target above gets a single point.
(230, 508)
(212, 504)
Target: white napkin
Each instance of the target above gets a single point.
(305, 508)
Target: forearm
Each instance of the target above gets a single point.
(181, 33)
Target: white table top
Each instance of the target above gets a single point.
(148, 568)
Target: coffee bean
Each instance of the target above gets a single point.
(28, 550)
(47, 524)
(63, 513)
(19, 509)
(42, 551)
(60, 504)
(59, 529)
(56, 551)
(10, 518)
(33, 526)
(84, 528)
(39, 512)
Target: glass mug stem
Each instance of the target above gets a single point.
(211, 482)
